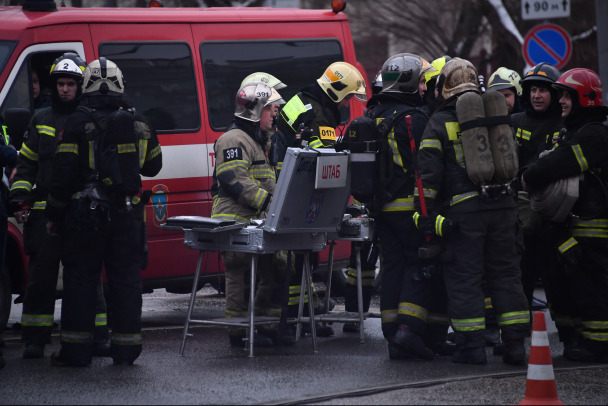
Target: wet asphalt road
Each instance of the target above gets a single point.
(210, 372)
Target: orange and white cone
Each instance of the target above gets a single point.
(540, 386)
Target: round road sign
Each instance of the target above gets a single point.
(548, 43)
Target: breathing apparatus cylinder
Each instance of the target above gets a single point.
(475, 140)
(502, 142)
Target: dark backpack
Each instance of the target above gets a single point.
(117, 151)
(371, 161)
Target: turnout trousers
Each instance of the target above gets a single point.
(43, 269)
(117, 244)
(406, 296)
(485, 244)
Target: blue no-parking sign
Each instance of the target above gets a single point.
(548, 43)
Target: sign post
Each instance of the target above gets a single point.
(548, 43)
(543, 9)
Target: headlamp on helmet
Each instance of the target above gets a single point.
(102, 76)
(341, 79)
(251, 99)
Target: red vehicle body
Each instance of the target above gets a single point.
(182, 69)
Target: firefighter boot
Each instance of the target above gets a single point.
(33, 351)
(515, 353)
(411, 343)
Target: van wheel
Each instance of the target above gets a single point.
(5, 297)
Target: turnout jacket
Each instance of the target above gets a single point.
(400, 191)
(74, 164)
(35, 162)
(245, 177)
(316, 111)
(534, 133)
(447, 187)
(582, 150)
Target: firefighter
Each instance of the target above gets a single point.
(578, 281)
(102, 225)
(246, 183)
(8, 159)
(408, 302)
(311, 118)
(482, 241)
(28, 196)
(536, 129)
(507, 82)
(370, 250)
(431, 99)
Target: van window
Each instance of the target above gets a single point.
(296, 63)
(6, 49)
(159, 82)
(31, 89)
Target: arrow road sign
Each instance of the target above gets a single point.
(548, 43)
(543, 9)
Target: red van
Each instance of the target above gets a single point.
(182, 69)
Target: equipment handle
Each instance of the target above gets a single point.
(424, 211)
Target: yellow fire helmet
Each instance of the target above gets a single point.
(505, 78)
(438, 64)
(341, 79)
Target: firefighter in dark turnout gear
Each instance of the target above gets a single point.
(536, 129)
(485, 241)
(28, 196)
(102, 219)
(8, 159)
(409, 303)
(577, 282)
(310, 118)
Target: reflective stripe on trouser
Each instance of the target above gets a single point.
(369, 256)
(485, 247)
(118, 246)
(295, 284)
(39, 301)
(43, 268)
(595, 330)
(400, 240)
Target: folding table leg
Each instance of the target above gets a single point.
(329, 275)
(191, 305)
(360, 293)
(311, 311)
(254, 261)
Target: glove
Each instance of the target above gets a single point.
(571, 254)
(425, 224)
(435, 224)
(446, 227)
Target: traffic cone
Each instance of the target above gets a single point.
(540, 385)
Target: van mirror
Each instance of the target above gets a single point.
(16, 120)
